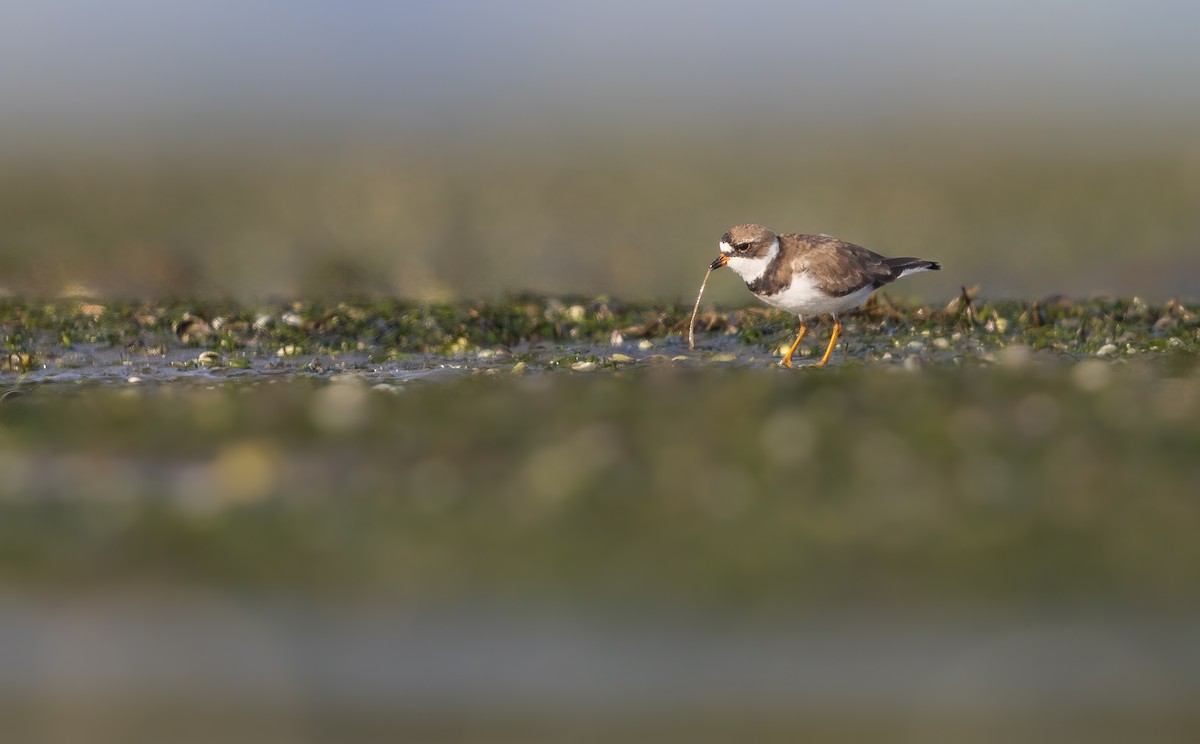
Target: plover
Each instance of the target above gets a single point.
(810, 275)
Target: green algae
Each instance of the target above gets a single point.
(582, 329)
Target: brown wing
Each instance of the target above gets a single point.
(839, 267)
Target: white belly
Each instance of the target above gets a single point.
(803, 298)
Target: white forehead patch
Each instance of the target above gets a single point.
(726, 247)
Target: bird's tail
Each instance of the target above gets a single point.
(907, 265)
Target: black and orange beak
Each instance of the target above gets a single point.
(721, 261)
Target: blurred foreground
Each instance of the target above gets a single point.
(202, 668)
(976, 526)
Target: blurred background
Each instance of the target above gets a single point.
(469, 149)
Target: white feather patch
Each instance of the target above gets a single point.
(750, 269)
(803, 297)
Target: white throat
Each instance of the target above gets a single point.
(750, 269)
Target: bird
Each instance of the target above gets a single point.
(810, 275)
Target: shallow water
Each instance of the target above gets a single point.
(98, 363)
(102, 363)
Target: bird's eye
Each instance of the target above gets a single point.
(742, 248)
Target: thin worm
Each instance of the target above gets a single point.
(692, 324)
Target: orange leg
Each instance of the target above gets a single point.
(837, 330)
(787, 358)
